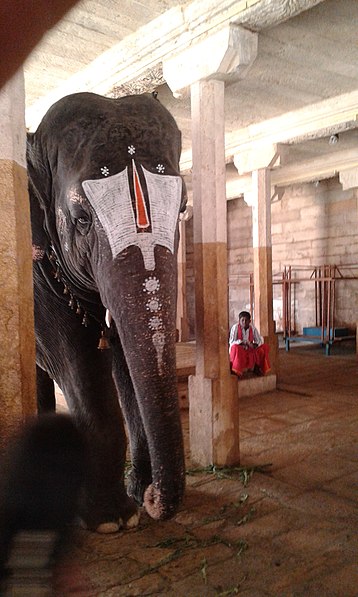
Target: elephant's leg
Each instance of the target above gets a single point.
(46, 401)
(92, 397)
(68, 351)
(90, 392)
(140, 475)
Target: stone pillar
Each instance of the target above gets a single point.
(17, 354)
(262, 245)
(213, 399)
(182, 319)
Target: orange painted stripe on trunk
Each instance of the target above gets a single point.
(142, 215)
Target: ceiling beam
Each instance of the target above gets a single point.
(312, 170)
(303, 124)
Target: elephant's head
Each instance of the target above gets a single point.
(105, 173)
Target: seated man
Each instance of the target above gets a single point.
(246, 347)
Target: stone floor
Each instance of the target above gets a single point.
(286, 530)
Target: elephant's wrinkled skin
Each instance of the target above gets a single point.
(105, 197)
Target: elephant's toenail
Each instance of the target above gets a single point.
(108, 527)
(133, 521)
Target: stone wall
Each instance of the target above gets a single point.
(312, 225)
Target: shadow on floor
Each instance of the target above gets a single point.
(289, 531)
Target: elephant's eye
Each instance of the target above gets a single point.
(83, 224)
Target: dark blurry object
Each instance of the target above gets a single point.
(22, 25)
(42, 477)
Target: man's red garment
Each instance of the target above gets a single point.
(244, 357)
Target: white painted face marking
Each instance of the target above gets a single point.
(111, 200)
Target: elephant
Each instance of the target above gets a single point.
(105, 199)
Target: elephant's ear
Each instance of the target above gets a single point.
(40, 240)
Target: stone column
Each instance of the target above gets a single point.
(17, 354)
(182, 319)
(262, 245)
(213, 398)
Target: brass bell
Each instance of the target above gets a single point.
(85, 320)
(78, 310)
(103, 343)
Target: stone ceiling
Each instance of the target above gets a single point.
(301, 89)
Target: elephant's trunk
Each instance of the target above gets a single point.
(144, 310)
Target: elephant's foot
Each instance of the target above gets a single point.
(124, 515)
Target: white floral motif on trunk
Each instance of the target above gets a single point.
(151, 286)
(111, 199)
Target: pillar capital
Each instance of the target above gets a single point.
(349, 178)
(231, 49)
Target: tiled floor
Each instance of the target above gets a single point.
(292, 531)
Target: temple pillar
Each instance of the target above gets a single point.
(262, 246)
(182, 318)
(17, 355)
(213, 399)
